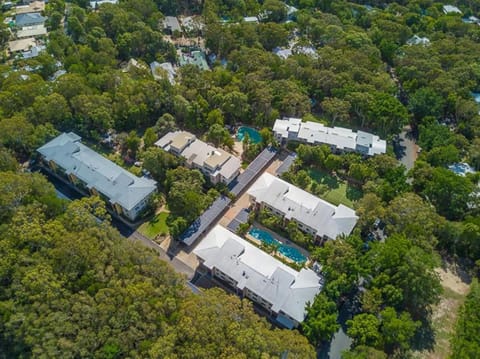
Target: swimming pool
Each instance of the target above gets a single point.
(289, 252)
(254, 135)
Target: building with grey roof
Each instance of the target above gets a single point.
(33, 52)
(282, 291)
(29, 19)
(215, 163)
(338, 138)
(171, 24)
(89, 171)
(313, 215)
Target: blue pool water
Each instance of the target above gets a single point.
(287, 251)
(254, 135)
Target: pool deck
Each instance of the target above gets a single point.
(277, 254)
(283, 240)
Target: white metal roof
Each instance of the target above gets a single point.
(340, 137)
(295, 203)
(450, 9)
(286, 289)
(250, 19)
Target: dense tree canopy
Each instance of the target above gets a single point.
(72, 287)
(351, 65)
(465, 343)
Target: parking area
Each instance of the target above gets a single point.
(235, 208)
(242, 217)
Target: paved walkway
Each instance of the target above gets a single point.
(241, 203)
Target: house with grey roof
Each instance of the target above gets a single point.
(252, 273)
(124, 192)
(171, 24)
(34, 51)
(29, 19)
(339, 139)
(313, 215)
(216, 164)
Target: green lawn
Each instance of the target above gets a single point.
(339, 192)
(157, 225)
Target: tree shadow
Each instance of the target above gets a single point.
(353, 193)
(399, 149)
(330, 181)
(154, 220)
(458, 266)
(424, 338)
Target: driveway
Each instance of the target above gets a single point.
(406, 150)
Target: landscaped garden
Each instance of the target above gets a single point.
(156, 226)
(335, 190)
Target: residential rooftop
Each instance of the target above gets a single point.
(34, 6)
(117, 184)
(32, 31)
(324, 218)
(29, 19)
(96, 4)
(417, 40)
(209, 159)
(342, 139)
(171, 23)
(286, 289)
(450, 9)
(33, 52)
(196, 58)
(21, 45)
(250, 19)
